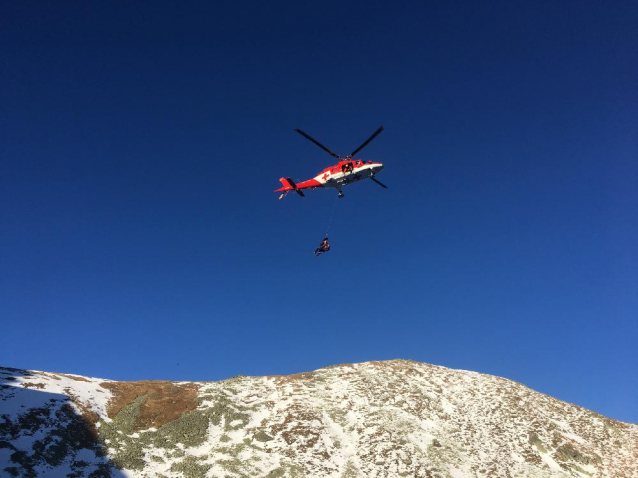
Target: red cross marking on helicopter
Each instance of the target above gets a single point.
(325, 176)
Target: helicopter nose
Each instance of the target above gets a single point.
(377, 168)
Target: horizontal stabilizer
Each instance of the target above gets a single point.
(288, 185)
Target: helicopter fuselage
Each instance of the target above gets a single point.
(343, 173)
(337, 176)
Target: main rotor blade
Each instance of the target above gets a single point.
(331, 153)
(374, 135)
(379, 183)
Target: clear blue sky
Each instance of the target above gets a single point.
(140, 145)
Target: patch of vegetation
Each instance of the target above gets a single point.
(125, 420)
(293, 471)
(339, 416)
(262, 436)
(12, 471)
(188, 430)
(103, 471)
(67, 434)
(567, 452)
(189, 467)
(536, 442)
(276, 473)
(177, 453)
(350, 470)
(234, 465)
(39, 386)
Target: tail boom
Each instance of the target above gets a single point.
(289, 185)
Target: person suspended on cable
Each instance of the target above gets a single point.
(323, 247)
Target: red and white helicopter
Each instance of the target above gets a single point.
(346, 171)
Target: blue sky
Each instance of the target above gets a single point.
(140, 147)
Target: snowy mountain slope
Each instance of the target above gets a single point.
(377, 419)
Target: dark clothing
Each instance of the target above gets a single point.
(323, 247)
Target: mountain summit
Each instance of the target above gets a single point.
(396, 418)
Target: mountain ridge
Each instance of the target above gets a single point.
(389, 418)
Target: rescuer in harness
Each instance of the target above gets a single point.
(323, 247)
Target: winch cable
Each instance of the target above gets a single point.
(334, 206)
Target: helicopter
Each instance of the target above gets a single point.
(347, 171)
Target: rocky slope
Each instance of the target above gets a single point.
(378, 419)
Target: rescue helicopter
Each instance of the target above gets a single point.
(347, 171)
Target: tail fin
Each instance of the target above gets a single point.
(288, 185)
